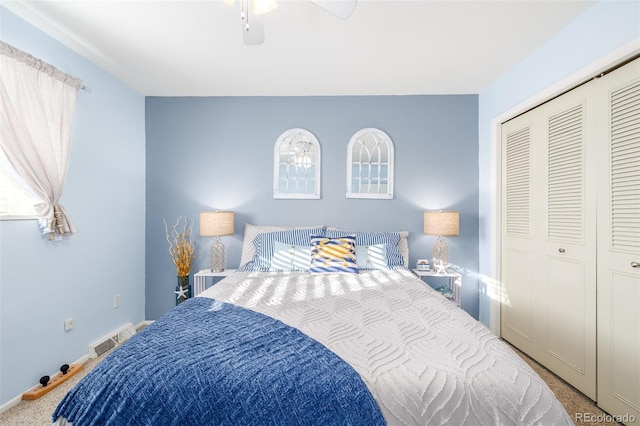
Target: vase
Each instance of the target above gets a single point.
(183, 290)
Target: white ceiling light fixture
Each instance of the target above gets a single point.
(253, 26)
(258, 7)
(263, 6)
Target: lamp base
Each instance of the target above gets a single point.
(217, 256)
(440, 256)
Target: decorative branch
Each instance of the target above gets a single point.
(181, 245)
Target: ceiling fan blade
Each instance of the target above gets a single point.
(255, 32)
(339, 8)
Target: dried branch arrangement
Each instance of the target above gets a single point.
(181, 245)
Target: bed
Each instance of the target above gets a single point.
(301, 335)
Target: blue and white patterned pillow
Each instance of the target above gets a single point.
(333, 254)
(290, 257)
(264, 243)
(394, 258)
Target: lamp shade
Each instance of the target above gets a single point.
(442, 223)
(216, 224)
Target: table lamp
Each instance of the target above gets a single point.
(441, 223)
(216, 224)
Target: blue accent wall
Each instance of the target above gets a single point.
(602, 29)
(217, 153)
(43, 283)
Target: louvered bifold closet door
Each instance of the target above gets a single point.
(619, 246)
(568, 261)
(518, 288)
(548, 238)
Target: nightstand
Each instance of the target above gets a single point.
(200, 279)
(455, 282)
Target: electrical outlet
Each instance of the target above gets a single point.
(116, 301)
(69, 324)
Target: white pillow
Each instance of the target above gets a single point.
(372, 257)
(290, 257)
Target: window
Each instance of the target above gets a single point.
(296, 165)
(370, 165)
(15, 204)
(41, 102)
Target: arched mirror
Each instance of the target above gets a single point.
(370, 165)
(296, 165)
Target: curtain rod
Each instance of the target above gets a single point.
(38, 64)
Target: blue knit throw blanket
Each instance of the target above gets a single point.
(212, 363)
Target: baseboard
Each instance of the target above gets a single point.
(143, 324)
(11, 403)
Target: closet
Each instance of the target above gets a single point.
(570, 256)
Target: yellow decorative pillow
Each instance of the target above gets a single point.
(333, 254)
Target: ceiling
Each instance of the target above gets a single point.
(195, 48)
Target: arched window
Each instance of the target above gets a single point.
(370, 165)
(296, 165)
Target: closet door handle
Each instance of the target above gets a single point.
(561, 250)
(635, 265)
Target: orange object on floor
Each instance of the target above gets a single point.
(53, 383)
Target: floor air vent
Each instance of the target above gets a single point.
(111, 341)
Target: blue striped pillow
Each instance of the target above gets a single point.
(394, 258)
(333, 254)
(264, 243)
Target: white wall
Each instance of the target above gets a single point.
(43, 283)
(606, 31)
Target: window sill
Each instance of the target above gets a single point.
(18, 217)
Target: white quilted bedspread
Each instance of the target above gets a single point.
(425, 361)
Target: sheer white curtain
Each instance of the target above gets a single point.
(37, 107)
